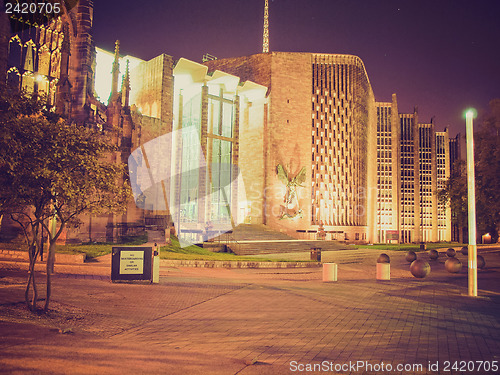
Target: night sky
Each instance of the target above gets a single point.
(440, 55)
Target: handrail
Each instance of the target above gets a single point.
(230, 238)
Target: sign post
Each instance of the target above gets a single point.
(156, 265)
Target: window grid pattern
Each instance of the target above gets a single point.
(384, 170)
(425, 180)
(191, 121)
(339, 120)
(407, 144)
(454, 149)
(220, 137)
(442, 220)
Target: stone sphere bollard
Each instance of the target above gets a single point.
(465, 250)
(480, 262)
(433, 254)
(453, 265)
(411, 256)
(383, 258)
(451, 252)
(420, 268)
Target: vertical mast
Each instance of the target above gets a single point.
(265, 44)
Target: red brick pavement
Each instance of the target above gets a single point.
(219, 321)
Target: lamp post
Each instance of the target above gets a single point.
(471, 205)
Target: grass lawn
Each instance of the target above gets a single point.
(171, 251)
(97, 249)
(174, 251)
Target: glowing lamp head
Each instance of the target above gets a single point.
(470, 113)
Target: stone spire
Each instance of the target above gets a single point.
(63, 92)
(115, 71)
(126, 86)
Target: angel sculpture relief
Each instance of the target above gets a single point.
(291, 209)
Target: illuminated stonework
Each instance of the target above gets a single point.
(340, 101)
(410, 222)
(388, 172)
(54, 59)
(424, 169)
(442, 175)
(458, 233)
(367, 173)
(427, 179)
(331, 93)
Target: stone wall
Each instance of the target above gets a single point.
(289, 140)
(251, 159)
(152, 92)
(255, 68)
(80, 20)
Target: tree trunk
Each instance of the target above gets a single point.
(31, 304)
(50, 269)
(31, 285)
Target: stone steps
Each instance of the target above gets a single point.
(252, 239)
(256, 232)
(277, 247)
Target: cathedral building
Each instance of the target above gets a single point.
(293, 141)
(319, 118)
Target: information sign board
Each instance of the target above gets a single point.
(131, 263)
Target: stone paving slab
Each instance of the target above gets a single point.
(256, 321)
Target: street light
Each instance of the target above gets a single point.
(469, 116)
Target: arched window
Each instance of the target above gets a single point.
(28, 83)
(15, 52)
(44, 61)
(55, 62)
(41, 36)
(42, 84)
(29, 59)
(48, 38)
(13, 77)
(52, 93)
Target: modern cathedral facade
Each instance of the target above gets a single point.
(293, 141)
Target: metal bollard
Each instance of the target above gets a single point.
(156, 264)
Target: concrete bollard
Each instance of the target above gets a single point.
(383, 271)
(329, 272)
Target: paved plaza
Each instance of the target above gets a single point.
(257, 321)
